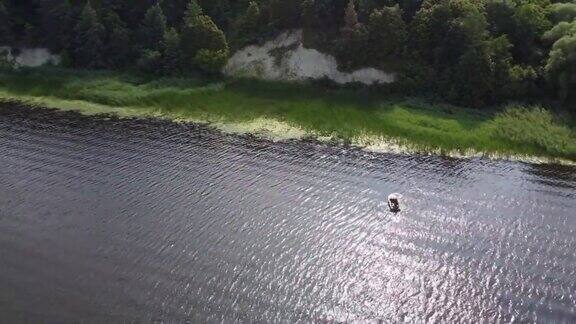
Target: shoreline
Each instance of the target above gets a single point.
(274, 130)
(364, 118)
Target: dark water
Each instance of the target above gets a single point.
(105, 221)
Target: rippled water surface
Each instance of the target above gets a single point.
(105, 221)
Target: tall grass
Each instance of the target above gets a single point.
(342, 113)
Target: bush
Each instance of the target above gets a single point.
(522, 82)
(150, 61)
(535, 127)
(211, 61)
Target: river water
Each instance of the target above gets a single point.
(118, 221)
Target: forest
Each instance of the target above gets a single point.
(467, 52)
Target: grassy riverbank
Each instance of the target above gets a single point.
(288, 110)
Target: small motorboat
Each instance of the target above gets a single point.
(394, 202)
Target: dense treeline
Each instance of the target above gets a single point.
(473, 52)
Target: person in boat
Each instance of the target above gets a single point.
(394, 202)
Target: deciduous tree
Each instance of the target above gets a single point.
(388, 34)
(561, 66)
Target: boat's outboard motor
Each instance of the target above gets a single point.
(394, 202)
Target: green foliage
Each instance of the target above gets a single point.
(431, 44)
(388, 34)
(534, 127)
(451, 37)
(346, 114)
(88, 44)
(57, 19)
(524, 23)
(522, 82)
(285, 13)
(172, 53)
(350, 16)
(211, 61)
(247, 29)
(502, 61)
(6, 60)
(193, 10)
(31, 35)
(6, 36)
(563, 12)
(530, 23)
(500, 18)
(118, 45)
(446, 30)
(153, 28)
(251, 18)
(532, 18)
(150, 61)
(561, 66)
(309, 23)
(201, 33)
(560, 30)
(354, 37)
(471, 81)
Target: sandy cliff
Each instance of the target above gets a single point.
(285, 58)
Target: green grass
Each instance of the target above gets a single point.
(344, 113)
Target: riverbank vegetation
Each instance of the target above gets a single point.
(505, 59)
(362, 116)
(469, 52)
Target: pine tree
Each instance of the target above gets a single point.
(57, 21)
(250, 20)
(119, 46)
(351, 24)
(193, 10)
(204, 44)
(6, 36)
(171, 53)
(285, 13)
(309, 16)
(352, 53)
(310, 23)
(153, 28)
(30, 34)
(87, 50)
(350, 15)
